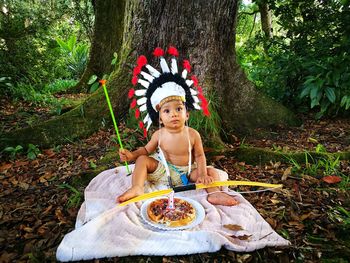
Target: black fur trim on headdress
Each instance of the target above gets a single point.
(157, 83)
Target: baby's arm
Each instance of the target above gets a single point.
(200, 159)
(150, 147)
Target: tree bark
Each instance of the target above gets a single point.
(265, 15)
(203, 32)
(107, 39)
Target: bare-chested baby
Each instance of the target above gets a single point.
(175, 139)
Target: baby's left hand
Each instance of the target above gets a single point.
(205, 179)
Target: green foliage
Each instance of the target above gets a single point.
(76, 196)
(76, 55)
(207, 125)
(306, 64)
(59, 85)
(32, 151)
(340, 216)
(28, 51)
(5, 85)
(328, 165)
(13, 151)
(94, 80)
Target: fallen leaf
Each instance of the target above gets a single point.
(233, 227)
(21, 163)
(60, 216)
(5, 167)
(331, 179)
(243, 237)
(49, 153)
(286, 173)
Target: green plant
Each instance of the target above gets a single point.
(339, 215)
(13, 151)
(5, 85)
(328, 164)
(208, 125)
(92, 165)
(94, 80)
(76, 54)
(32, 151)
(59, 85)
(76, 196)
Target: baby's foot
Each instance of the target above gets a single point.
(222, 199)
(132, 192)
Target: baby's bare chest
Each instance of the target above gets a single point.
(176, 146)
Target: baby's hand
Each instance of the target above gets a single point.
(125, 155)
(205, 179)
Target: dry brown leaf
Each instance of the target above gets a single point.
(286, 173)
(332, 179)
(49, 153)
(21, 163)
(5, 166)
(60, 216)
(243, 237)
(233, 227)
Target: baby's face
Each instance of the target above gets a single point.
(173, 114)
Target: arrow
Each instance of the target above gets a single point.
(196, 187)
(103, 83)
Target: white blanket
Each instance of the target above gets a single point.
(105, 230)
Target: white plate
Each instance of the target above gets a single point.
(200, 215)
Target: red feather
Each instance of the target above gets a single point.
(206, 111)
(144, 132)
(137, 70)
(131, 93)
(134, 80)
(195, 80)
(186, 65)
(203, 99)
(200, 90)
(137, 113)
(141, 125)
(133, 104)
(158, 52)
(141, 61)
(173, 51)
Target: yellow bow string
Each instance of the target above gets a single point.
(196, 187)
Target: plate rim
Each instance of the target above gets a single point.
(200, 214)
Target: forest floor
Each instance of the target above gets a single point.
(38, 204)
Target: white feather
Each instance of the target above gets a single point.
(146, 119)
(173, 66)
(184, 74)
(193, 92)
(141, 101)
(195, 98)
(147, 76)
(189, 82)
(196, 106)
(164, 65)
(143, 83)
(149, 124)
(142, 92)
(155, 73)
(143, 108)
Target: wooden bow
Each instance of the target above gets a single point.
(196, 187)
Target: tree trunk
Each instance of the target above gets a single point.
(203, 32)
(107, 39)
(265, 15)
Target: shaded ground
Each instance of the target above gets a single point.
(38, 206)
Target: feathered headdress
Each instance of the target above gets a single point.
(153, 87)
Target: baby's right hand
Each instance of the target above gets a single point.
(125, 155)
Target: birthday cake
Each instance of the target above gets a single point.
(182, 214)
